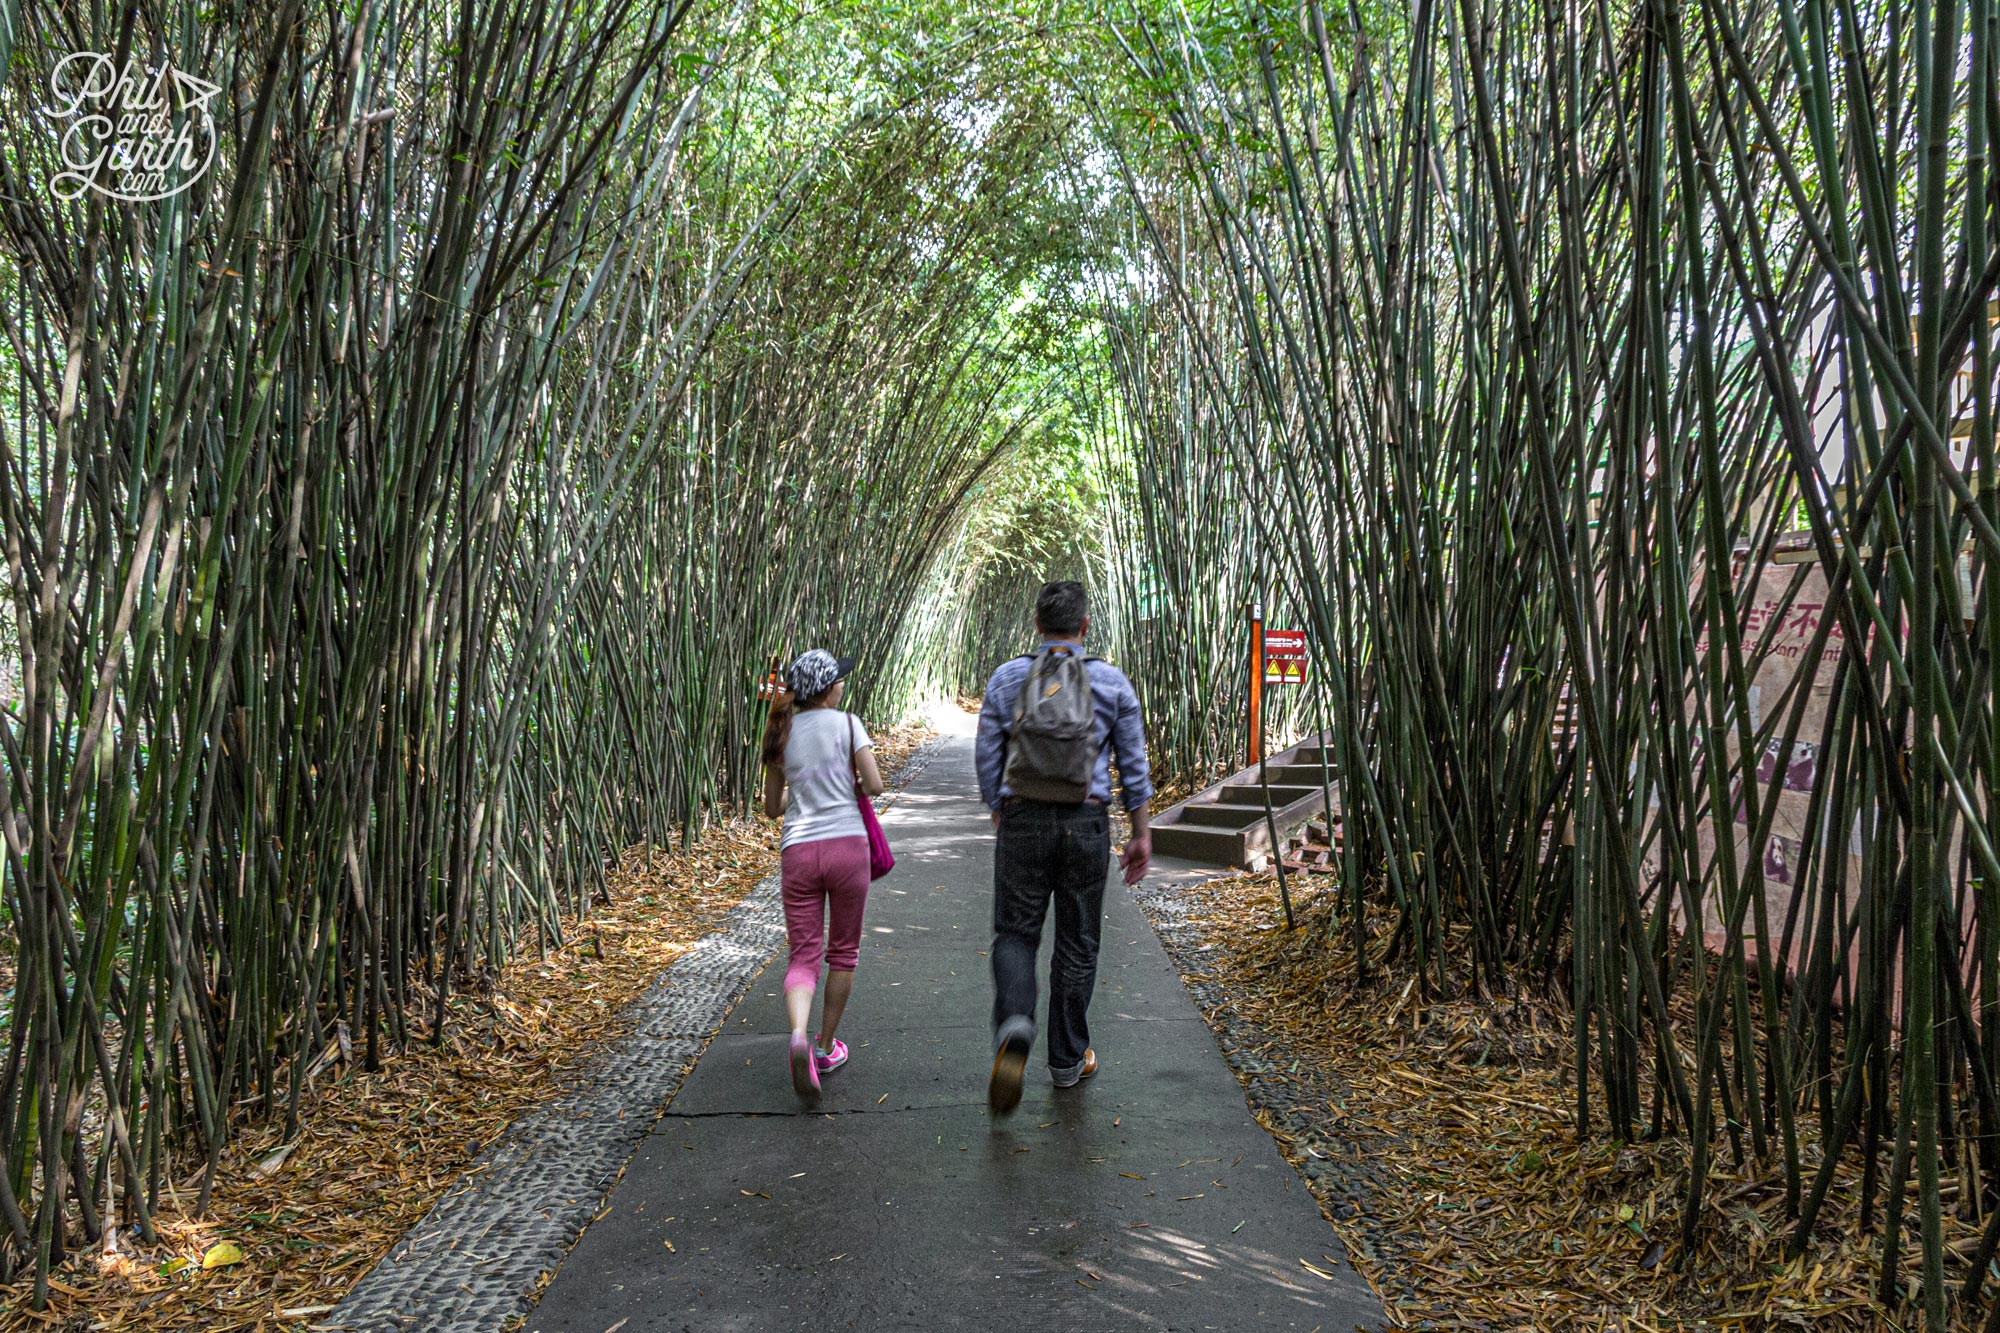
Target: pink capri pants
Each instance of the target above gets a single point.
(824, 888)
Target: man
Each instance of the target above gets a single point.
(1056, 843)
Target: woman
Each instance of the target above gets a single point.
(819, 752)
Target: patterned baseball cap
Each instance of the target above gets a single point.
(814, 671)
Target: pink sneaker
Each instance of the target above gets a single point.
(805, 1074)
(828, 1061)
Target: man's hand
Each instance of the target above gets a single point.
(1138, 855)
(996, 821)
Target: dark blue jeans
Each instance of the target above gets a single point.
(1048, 851)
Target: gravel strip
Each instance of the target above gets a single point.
(478, 1259)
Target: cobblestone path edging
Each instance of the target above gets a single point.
(477, 1259)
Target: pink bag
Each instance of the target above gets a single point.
(880, 859)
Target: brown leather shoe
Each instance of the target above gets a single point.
(1088, 1068)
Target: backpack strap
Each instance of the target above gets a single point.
(1021, 690)
(1021, 693)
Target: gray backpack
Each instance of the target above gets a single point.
(1052, 748)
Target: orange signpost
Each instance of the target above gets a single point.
(1257, 683)
(1277, 657)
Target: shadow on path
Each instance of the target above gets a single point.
(1147, 1198)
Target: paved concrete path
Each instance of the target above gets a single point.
(1146, 1198)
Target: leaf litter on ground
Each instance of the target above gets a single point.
(1481, 1208)
(292, 1225)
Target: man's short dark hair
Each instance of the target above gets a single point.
(1060, 607)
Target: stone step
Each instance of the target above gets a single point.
(1250, 793)
(1297, 775)
(1248, 845)
(1196, 842)
(1218, 815)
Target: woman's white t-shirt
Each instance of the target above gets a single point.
(819, 774)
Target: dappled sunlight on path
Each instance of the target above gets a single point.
(1147, 1198)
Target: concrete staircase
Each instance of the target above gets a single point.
(1225, 824)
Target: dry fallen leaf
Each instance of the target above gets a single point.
(222, 1254)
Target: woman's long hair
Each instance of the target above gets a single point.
(778, 725)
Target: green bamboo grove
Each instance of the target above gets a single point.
(1541, 318)
(395, 528)
(396, 533)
